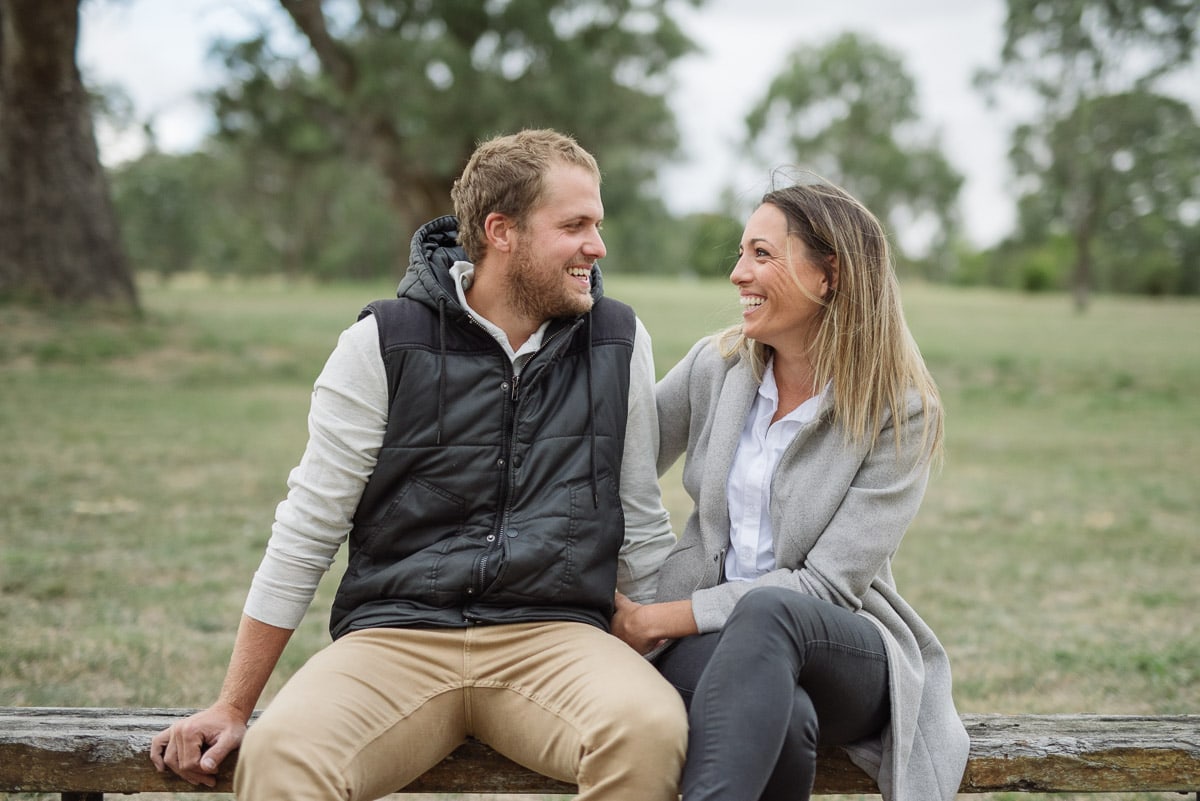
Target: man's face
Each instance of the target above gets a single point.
(550, 269)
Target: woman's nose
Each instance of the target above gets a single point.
(739, 274)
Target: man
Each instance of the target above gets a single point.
(481, 442)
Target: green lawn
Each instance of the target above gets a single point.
(1056, 553)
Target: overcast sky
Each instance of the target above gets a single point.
(156, 50)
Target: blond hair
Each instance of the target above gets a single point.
(863, 346)
(505, 175)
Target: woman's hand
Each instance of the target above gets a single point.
(645, 626)
(625, 624)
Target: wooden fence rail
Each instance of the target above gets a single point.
(83, 753)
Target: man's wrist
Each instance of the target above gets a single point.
(235, 708)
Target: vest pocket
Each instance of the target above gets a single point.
(419, 515)
(565, 550)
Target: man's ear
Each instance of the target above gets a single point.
(499, 230)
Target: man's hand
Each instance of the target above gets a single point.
(195, 747)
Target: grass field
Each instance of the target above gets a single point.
(1056, 554)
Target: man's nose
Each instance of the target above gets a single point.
(594, 246)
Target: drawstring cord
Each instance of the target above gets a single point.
(441, 367)
(592, 418)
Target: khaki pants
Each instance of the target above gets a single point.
(377, 708)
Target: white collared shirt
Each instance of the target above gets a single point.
(751, 536)
(463, 273)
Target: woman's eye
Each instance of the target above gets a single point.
(760, 253)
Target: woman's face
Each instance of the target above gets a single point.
(771, 267)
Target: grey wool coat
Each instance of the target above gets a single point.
(839, 512)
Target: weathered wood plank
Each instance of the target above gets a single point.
(98, 750)
(105, 750)
(1092, 753)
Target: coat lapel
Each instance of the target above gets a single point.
(737, 396)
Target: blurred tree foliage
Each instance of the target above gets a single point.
(1134, 216)
(1106, 159)
(248, 211)
(389, 98)
(712, 243)
(334, 144)
(847, 111)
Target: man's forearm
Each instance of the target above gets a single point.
(256, 651)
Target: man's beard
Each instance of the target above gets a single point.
(541, 293)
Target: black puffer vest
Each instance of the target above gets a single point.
(494, 500)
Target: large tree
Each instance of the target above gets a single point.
(1121, 173)
(848, 111)
(59, 240)
(411, 87)
(1079, 59)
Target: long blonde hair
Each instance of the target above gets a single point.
(863, 346)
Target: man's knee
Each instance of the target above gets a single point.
(637, 749)
(652, 721)
(275, 758)
(267, 745)
(665, 715)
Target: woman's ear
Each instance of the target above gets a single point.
(832, 273)
(498, 230)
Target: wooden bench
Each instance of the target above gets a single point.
(84, 753)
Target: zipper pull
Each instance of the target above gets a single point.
(516, 380)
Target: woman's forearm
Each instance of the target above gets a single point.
(644, 626)
(665, 621)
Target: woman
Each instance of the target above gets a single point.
(809, 430)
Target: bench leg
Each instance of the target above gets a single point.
(82, 797)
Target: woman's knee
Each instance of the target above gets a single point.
(767, 606)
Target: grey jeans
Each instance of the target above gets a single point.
(787, 673)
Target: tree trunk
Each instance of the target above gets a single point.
(1081, 274)
(417, 195)
(59, 238)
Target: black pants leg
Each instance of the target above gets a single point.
(787, 674)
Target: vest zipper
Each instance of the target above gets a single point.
(510, 425)
(494, 540)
